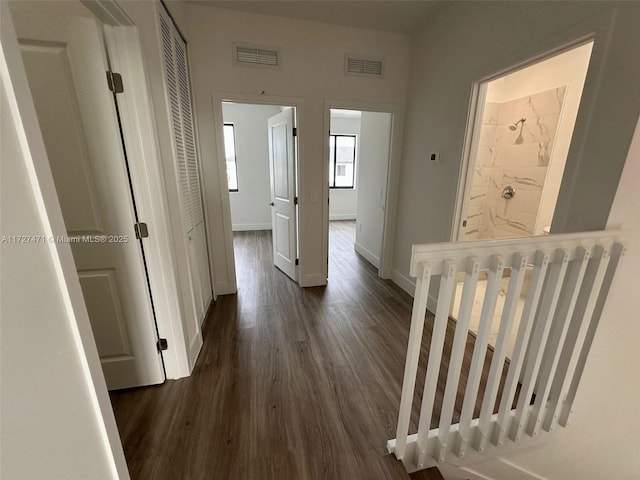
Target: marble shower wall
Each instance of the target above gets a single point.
(518, 158)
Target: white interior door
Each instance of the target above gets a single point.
(65, 62)
(283, 191)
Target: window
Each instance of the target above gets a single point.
(342, 161)
(230, 153)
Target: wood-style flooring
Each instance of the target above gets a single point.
(291, 383)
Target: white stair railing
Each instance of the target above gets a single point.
(570, 276)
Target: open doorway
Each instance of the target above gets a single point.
(261, 151)
(520, 141)
(358, 164)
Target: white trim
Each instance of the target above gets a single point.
(367, 254)
(597, 30)
(14, 79)
(393, 177)
(218, 169)
(341, 216)
(247, 227)
(515, 471)
(314, 280)
(147, 179)
(405, 283)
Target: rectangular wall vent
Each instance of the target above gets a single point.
(363, 66)
(247, 55)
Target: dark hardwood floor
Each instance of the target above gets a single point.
(291, 383)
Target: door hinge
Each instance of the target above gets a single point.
(114, 81)
(141, 230)
(162, 344)
(295, 131)
(464, 223)
(297, 261)
(295, 200)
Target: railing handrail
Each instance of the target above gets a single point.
(425, 252)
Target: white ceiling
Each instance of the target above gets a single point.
(400, 16)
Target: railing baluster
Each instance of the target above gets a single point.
(570, 281)
(479, 351)
(447, 281)
(593, 319)
(541, 332)
(518, 270)
(577, 330)
(457, 353)
(522, 340)
(413, 356)
(569, 294)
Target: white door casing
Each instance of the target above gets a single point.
(283, 191)
(66, 55)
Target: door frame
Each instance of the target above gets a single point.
(393, 177)
(210, 172)
(147, 181)
(476, 109)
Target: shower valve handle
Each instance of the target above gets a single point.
(508, 192)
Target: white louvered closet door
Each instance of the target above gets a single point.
(188, 172)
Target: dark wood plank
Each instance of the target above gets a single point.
(291, 383)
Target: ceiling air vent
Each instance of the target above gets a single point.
(246, 55)
(358, 65)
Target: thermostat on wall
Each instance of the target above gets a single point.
(434, 157)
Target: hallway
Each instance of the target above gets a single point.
(291, 383)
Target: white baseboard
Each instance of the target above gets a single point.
(225, 288)
(405, 283)
(243, 227)
(409, 285)
(315, 280)
(498, 468)
(342, 216)
(367, 254)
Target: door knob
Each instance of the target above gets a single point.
(272, 204)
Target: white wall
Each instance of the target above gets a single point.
(570, 69)
(311, 72)
(342, 202)
(56, 420)
(466, 42)
(375, 135)
(250, 205)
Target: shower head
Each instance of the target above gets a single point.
(513, 126)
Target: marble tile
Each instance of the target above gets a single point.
(473, 209)
(474, 220)
(491, 113)
(543, 103)
(484, 156)
(535, 130)
(526, 201)
(481, 176)
(477, 197)
(528, 154)
(487, 135)
(501, 232)
(522, 178)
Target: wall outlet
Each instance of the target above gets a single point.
(434, 157)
